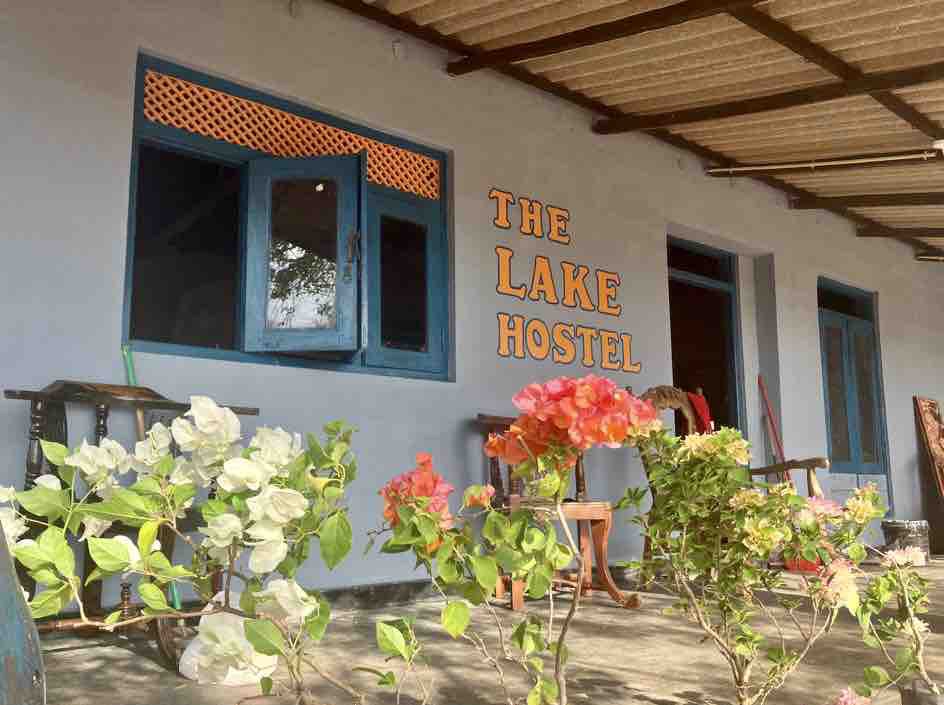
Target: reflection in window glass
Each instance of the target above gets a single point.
(864, 380)
(836, 389)
(402, 284)
(303, 254)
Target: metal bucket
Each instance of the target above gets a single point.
(23, 679)
(902, 534)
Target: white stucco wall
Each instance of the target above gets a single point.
(66, 94)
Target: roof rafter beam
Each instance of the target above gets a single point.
(900, 232)
(794, 41)
(887, 80)
(871, 200)
(596, 34)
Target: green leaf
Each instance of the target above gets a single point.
(147, 535)
(183, 493)
(486, 572)
(496, 524)
(153, 597)
(165, 466)
(856, 553)
(265, 684)
(265, 637)
(113, 617)
(534, 695)
(391, 641)
(47, 577)
(55, 453)
(96, 574)
(876, 677)
(549, 485)
(49, 602)
(110, 555)
(904, 660)
(335, 537)
(31, 555)
(386, 680)
(539, 582)
(863, 690)
(317, 621)
(45, 502)
(455, 618)
(534, 540)
(213, 508)
(562, 556)
(52, 542)
(67, 474)
(147, 485)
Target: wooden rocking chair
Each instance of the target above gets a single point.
(594, 522)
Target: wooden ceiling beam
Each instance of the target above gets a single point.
(794, 41)
(431, 36)
(868, 83)
(901, 232)
(871, 200)
(597, 34)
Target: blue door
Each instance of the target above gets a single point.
(301, 264)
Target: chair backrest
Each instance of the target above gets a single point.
(665, 397)
(501, 478)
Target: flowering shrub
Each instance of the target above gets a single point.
(558, 421)
(907, 592)
(714, 535)
(263, 502)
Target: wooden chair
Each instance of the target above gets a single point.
(594, 523)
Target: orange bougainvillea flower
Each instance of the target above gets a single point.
(479, 496)
(420, 488)
(574, 414)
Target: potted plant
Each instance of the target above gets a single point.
(900, 587)
(713, 534)
(261, 507)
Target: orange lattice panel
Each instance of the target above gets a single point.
(189, 106)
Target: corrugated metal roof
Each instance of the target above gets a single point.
(718, 59)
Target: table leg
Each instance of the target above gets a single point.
(585, 546)
(601, 539)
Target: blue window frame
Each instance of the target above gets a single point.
(337, 325)
(855, 420)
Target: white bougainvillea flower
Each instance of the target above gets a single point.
(245, 474)
(183, 472)
(94, 527)
(134, 555)
(119, 460)
(901, 557)
(7, 494)
(216, 423)
(153, 448)
(276, 446)
(13, 526)
(266, 556)
(224, 655)
(50, 482)
(223, 530)
(92, 462)
(187, 437)
(286, 601)
(277, 504)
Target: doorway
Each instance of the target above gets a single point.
(704, 326)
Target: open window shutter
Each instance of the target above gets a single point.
(407, 288)
(836, 389)
(863, 371)
(301, 254)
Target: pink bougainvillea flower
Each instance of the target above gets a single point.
(850, 697)
(824, 508)
(420, 488)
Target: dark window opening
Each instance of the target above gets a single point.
(403, 276)
(703, 327)
(833, 300)
(186, 243)
(703, 262)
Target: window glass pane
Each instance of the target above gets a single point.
(865, 376)
(402, 284)
(303, 254)
(186, 239)
(836, 393)
(712, 266)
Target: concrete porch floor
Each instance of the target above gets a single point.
(619, 657)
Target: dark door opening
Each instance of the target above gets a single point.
(703, 326)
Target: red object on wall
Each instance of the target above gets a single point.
(801, 565)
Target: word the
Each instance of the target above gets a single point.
(531, 220)
(612, 350)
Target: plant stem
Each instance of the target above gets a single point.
(559, 674)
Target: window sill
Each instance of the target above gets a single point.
(156, 348)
